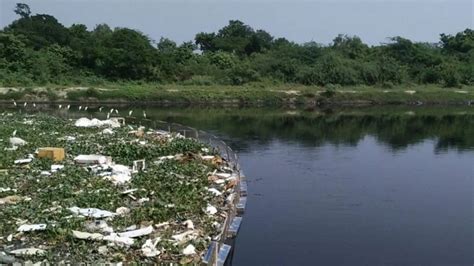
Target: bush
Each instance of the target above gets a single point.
(308, 76)
(369, 73)
(330, 90)
(387, 85)
(430, 75)
(450, 74)
(336, 70)
(242, 74)
(199, 81)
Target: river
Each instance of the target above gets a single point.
(379, 186)
(371, 186)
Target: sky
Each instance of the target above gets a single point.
(297, 20)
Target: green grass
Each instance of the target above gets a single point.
(254, 94)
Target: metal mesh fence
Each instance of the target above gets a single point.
(219, 250)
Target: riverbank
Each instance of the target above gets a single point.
(256, 94)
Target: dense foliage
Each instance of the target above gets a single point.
(38, 49)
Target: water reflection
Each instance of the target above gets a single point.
(396, 127)
(398, 130)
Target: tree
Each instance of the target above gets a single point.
(460, 45)
(350, 46)
(126, 54)
(41, 30)
(205, 41)
(23, 10)
(237, 38)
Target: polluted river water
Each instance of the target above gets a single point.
(387, 186)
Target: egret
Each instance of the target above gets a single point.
(85, 108)
(14, 133)
(130, 113)
(108, 115)
(116, 111)
(100, 109)
(60, 106)
(68, 106)
(144, 114)
(14, 103)
(80, 107)
(34, 105)
(24, 105)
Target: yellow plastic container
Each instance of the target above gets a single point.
(55, 154)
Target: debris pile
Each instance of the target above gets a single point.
(107, 192)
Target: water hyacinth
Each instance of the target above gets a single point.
(81, 209)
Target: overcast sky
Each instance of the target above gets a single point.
(300, 21)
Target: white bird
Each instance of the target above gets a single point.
(108, 115)
(85, 108)
(24, 105)
(34, 105)
(68, 106)
(116, 111)
(60, 106)
(111, 110)
(14, 133)
(130, 113)
(144, 114)
(80, 107)
(100, 109)
(14, 103)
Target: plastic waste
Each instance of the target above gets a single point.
(119, 240)
(215, 192)
(99, 225)
(87, 236)
(137, 233)
(189, 224)
(23, 161)
(14, 199)
(28, 252)
(56, 167)
(86, 122)
(31, 227)
(14, 141)
(92, 159)
(91, 212)
(108, 131)
(120, 174)
(211, 209)
(189, 250)
(122, 211)
(96, 236)
(149, 248)
(182, 236)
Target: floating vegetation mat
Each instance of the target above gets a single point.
(99, 204)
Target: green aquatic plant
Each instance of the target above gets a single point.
(168, 190)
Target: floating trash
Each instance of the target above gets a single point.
(91, 212)
(31, 227)
(109, 192)
(189, 250)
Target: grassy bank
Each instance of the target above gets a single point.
(256, 94)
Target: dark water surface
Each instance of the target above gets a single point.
(382, 187)
(391, 186)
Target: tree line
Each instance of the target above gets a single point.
(38, 49)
